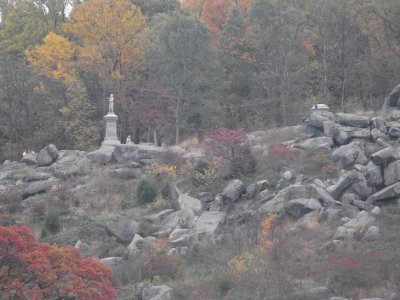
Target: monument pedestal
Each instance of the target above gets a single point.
(111, 138)
(105, 153)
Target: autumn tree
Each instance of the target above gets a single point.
(152, 109)
(33, 270)
(25, 23)
(213, 12)
(110, 35)
(54, 59)
(178, 58)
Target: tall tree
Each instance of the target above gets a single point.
(26, 22)
(78, 118)
(29, 116)
(110, 35)
(54, 59)
(179, 55)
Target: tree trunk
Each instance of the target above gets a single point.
(344, 74)
(177, 111)
(325, 71)
(155, 136)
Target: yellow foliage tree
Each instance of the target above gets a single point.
(54, 59)
(109, 31)
(252, 262)
(266, 230)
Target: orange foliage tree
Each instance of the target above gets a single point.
(215, 12)
(109, 31)
(54, 59)
(254, 261)
(33, 270)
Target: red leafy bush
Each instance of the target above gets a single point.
(33, 270)
(232, 144)
(227, 143)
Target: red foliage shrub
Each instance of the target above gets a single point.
(232, 145)
(228, 143)
(33, 270)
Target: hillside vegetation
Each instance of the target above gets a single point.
(278, 214)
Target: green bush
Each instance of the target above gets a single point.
(52, 222)
(146, 190)
(201, 166)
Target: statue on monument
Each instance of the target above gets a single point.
(111, 105)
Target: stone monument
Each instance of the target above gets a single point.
(111, 138)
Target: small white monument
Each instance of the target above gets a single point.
(111, 118)
(319, 109)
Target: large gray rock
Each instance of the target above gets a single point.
(179, 219)
(377, 134)
(349, 198)
(136, 153)
(71, 163)
(102, 156)
(157, 292)
(28, 175)
(391, 173)
(121, 227)
(317, 121)
(344, 134)
(393, 99)
(330, 128)
(389, 192)
(343, 183)
(343, 233)
(188, 202)
(255, 188)
(373, 174)
(184, 201)
(325, 197)
(385, 156)
(47, 155)
(360, 186)
(233, 190)
(36, 187)
(394, 132)
(180, 237)
(353, 120)
(208, 226)
(291, 192)
(362, 220)
(372, 233)
(323, 143)
(348, 155)
(299, 207)
(362, 205)
(137, 244)
(379, 124)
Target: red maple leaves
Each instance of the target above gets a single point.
(33, 270)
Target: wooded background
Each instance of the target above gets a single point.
(183, 68)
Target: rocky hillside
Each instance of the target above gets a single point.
(316, 219)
